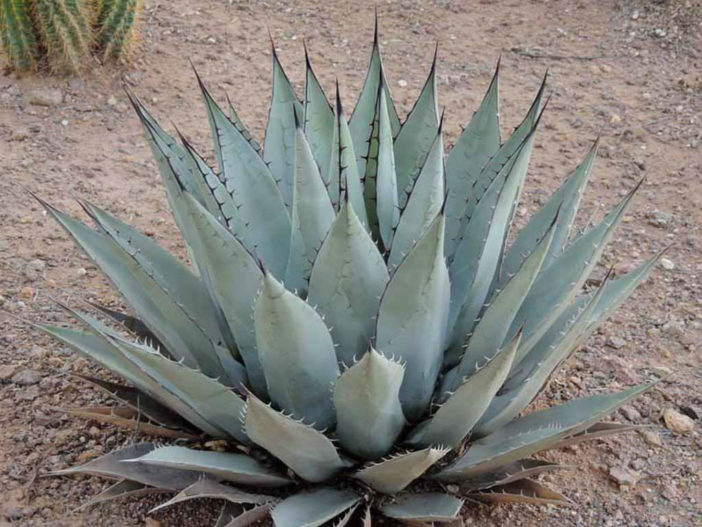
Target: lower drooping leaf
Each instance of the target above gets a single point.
(232, 515)
(393, 475)
(522, 491)
(412, 318)
(237, 468)
(312, 509)
(209, 488)
(297, 354)
(122, 489)
(368, 412)
(524, 468)
(307, 451)
(424, 507)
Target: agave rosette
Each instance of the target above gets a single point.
(354, 321)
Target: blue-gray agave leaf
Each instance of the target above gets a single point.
(347, 281)
(455, 418)
(478, 142)
(237, 468)
(307, 451)
(413, 315)
(535, 432)
(263, 221)
(425, 201)
(368, 412)
(234, 279)
(417, 135)
(239, 124)
(207, 487)
(279, 144)
(344, 177)
(297, 354)
(564, 204)
(477, 256)
(424, 507)
(385, 200)
(311, 509)
(312, 215)
(319, 123)
(393, 475)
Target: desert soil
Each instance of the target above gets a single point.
(629, 72)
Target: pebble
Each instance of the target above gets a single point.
(33, 269)
(651, 437)
(631, 413)
(624, 476)
(677, 422)
(81, 271)
(45, 97)
(658, 218)
(26, 378)
(615, 119)
(402, 83)
(27, 292)
(7, 371)
(616, 342)
(674, 327)
(667, 264)
(28, 394)
(112, 100)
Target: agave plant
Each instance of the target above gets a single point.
(354, 324)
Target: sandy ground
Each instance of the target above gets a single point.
(629, 72)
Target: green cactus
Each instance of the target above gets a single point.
(116, 26)
(65, 31)
(17, 35)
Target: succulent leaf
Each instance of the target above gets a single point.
(426, 198)
(478, 142)
(122, 489)
(297, 354)
(522, 491)
(311, 509)
(524, 468)
(347, 281)
(395, 474)
(208, 488)
(279, 144)
(232, 516)
(319, 125)
(385, 200)
(237, 468)
(368, 412)
(307, 451)
(424, 507)
(412, 318)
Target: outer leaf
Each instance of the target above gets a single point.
(364, 114)
(343, 171)
(426, 198)
(208, 488)
(524, 468)
(319, 124)
(234, 118)
(412, 318)
(535, 432)
(491, 329)
(522, 491)
(133, 324)
(165, 317)
(561, 208)
(385, 199)
(112, 465)
(418, 133)
(548, 299)
(597, 431)
(278, 146)
(425, 507)
(454, 420)
(230, 516)
(348, 278)
(297, 354)
(478, 142)
(237, 468)
(122, 489)
(394, 474)
(235, 280)
(478, 254)
(312, 215)
(368, 412)
(313, 508)
(308, 452)
(264, 220)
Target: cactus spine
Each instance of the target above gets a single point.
(65, 32)
(17, 35)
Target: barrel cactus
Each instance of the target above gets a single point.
(354, 325)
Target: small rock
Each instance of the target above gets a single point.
(64, 122)
(624, 476)
(635, 15)
(27, 293)
(651, 437)
(631, 413)
(34, 269)
(658, 218)
(667, 264)
(402, 83)
(7, 371)
(674, 327)
(615, 118)
(616, 342)
(81, 271)
(660, 33)
(19, 135)
(45, 97)
(677, 422)
(112, 100)
(150, 522)
(26, 378)
(28, 394)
